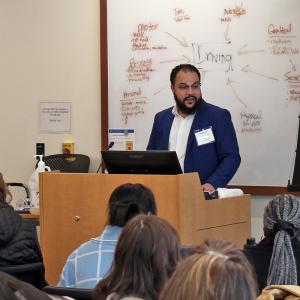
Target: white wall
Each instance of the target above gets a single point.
(50, 51)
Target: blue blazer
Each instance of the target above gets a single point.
(215, 162)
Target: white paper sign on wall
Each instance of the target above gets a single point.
(55, 117)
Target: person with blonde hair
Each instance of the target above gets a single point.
(217, 270)
(146, 255)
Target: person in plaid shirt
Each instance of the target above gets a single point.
(90, 262)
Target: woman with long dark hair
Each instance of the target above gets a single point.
(146, 255)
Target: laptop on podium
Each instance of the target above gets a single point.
(141, 162)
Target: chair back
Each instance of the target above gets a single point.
(186, 250)
(68, 163)
(75, 293)
(33, 273)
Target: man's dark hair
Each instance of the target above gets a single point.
(146, 255)
(129, 200)
(183, 67)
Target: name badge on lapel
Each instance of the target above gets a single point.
(204, 136)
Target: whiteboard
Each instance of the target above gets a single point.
(248, 56)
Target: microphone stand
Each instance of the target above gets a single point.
(101, 163)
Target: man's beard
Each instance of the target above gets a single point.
(183, 108)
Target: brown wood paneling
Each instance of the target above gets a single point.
(73, 208)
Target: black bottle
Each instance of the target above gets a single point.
(250, 243)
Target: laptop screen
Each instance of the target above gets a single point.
(141, 162)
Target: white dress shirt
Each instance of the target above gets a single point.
(179, 135)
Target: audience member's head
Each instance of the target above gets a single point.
(282, 222)
(13, 289)
(4, 192)
(128, 200)
(146, 255)
(218, 270)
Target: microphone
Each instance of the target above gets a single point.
(108, 147)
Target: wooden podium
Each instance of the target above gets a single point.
(73, 208)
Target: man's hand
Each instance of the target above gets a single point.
(207, 187)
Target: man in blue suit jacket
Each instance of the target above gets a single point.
(202, 134)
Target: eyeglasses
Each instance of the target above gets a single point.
(185, 87)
